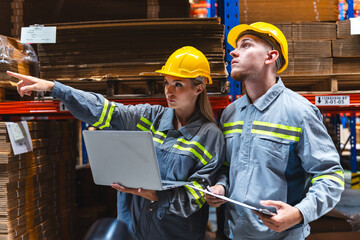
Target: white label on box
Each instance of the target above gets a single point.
(38, 35)
(16, 132)
(19, 137)
(332, 100)
(355, 26)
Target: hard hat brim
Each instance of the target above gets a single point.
(208, 78)
(237, 30)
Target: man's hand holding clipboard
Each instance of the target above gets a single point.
(215, 197)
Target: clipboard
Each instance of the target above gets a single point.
(260, 210)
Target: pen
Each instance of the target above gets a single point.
(209, 189)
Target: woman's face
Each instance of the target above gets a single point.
(180, 93)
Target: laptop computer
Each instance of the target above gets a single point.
(125, 157)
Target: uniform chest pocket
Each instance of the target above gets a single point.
(176, 167)
(270, 151)
(232, 144)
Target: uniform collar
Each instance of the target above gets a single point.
(189, 130)
(265, 100)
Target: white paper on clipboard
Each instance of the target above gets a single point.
(261, 210)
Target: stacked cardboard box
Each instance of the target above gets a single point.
(280, 11)
(309, 47)
(346, 54)
(129, 51)
(15, 14)
(37, 194)
(310, 56)
(323, 56)
(346, 57)
(5, 17)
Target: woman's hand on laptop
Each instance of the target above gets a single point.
(148, 194)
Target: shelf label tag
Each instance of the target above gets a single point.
(63, 107)
(332, 100)
(38, 34)
(20, 138)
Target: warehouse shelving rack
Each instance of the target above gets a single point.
(54, 109)
(229, 13)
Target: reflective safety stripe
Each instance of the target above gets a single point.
(146, 125)
(233, 127)
(195, 148)
(198, 199)
(276, 130)
(109, 116)
(226, 164)
(105, 112)
(337, 176)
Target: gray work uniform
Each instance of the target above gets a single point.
(274, 147)
(192, 153)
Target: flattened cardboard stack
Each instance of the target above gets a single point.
(282, 11)
(346, 56)
(25, 13)
(15, 57)
(37, 189)
(129, 51)
(310, 57)
(309, 47)
(323, 56)
(5, 17)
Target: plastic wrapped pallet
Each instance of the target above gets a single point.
(17, 57)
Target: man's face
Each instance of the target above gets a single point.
(248, 57)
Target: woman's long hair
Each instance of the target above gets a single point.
(203, 103)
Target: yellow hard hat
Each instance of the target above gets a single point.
(265, 29)
(187, 62)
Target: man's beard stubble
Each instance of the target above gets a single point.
(243, 77)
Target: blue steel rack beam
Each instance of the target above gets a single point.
(350, 11)
(353, 153)
(229, 11)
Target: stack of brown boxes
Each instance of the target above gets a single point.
(129, 52)
(346, 56)
(310, 57)
(323, 56)
(37, 196)
(280, 11)
(15, 14)
(5, 17)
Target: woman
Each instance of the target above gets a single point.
(188, 144)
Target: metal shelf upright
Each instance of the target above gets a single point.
(229, 13)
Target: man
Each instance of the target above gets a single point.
(279, 151)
